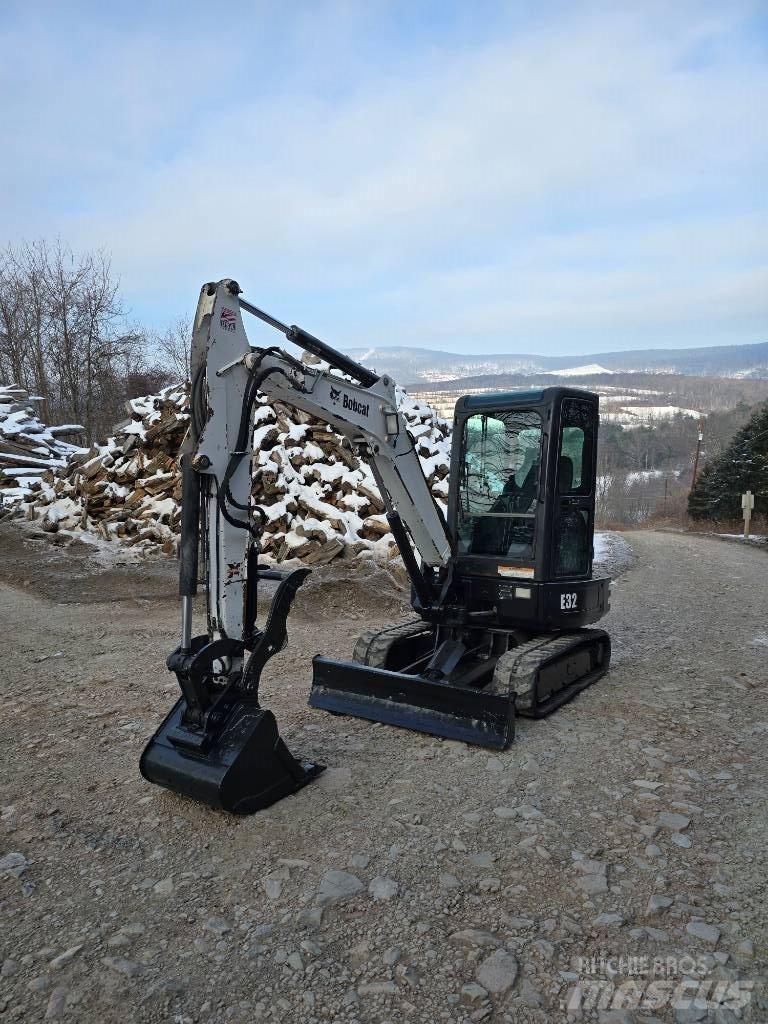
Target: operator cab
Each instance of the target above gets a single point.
(522, 505)
(525, 467)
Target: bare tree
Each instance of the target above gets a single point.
(14, 365)
(174, 348)
(134, 373)
(63, 334)
(31, 267)
(612, 499)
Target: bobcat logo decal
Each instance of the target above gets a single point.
(335, 394)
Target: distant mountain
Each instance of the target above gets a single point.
(416, 365)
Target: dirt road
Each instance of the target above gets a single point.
(418, 880)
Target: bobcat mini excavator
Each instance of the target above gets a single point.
(502, 587)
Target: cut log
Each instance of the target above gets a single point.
(330, 550)
(376, 525)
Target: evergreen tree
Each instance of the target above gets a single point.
(742, 467)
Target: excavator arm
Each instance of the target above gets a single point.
(363, 409)
(371, 421)
(211, 742)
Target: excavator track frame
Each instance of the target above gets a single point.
(532, 679)
(550, 670)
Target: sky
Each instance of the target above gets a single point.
(550, 178)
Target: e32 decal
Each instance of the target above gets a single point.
(568, 602)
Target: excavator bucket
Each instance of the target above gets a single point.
(247, 766)
(218, 745)
(413, 702)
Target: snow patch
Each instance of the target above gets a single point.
(29, 448)
(588, 370)
(613, 554)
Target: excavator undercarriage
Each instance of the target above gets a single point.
(460, 689)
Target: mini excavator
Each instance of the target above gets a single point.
(502, 585)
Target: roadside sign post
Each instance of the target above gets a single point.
(698, 453)
(747, 504)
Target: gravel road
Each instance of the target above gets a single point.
(616, 846)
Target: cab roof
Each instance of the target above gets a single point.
(532, 396)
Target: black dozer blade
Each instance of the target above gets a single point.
(413, 702)
(245, 768)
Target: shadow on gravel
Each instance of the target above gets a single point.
(67, 570)
(74, 572)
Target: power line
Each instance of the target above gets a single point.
(751, 440)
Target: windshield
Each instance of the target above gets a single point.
(499, 484)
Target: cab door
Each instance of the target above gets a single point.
(573, 520)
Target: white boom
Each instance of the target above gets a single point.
(367, 415)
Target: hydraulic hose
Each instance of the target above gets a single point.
(255, 381)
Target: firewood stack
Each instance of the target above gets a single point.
(28, 448)
(320, 501)
(127, 489)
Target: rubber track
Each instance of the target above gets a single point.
(374, 645)
(517, 666)
(525, 663)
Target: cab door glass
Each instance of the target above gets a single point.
(575, 501)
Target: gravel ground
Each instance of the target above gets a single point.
(618, 843)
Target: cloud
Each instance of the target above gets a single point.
(591, 169)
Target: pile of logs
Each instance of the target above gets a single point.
(319, 500)
(127, 489)
(28, 448)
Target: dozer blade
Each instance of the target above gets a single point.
(243, 769)
(413, 702)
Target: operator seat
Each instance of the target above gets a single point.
(495, 534)
(564, 475)
(525, 494)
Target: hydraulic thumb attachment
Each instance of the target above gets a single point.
(218, 745)
(244, 768)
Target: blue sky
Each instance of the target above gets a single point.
(495, 177)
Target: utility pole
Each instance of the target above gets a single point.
(698, 453)
(747, 504)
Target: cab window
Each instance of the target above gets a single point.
(499, 484)
(577, 435)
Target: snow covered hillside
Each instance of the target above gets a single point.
(589, 370)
